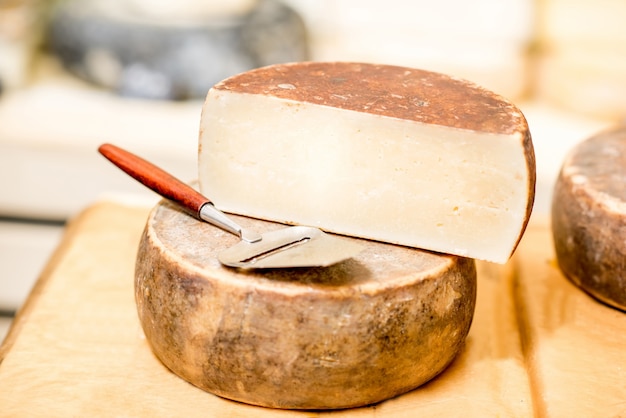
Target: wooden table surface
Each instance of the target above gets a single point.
(538, 346)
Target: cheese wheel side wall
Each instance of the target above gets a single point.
(590, 246)
(323, 348)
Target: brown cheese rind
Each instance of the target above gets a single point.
(589, 217)
(531, 165)
(348, 335)
(385, 90)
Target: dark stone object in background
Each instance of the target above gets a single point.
(171, 61)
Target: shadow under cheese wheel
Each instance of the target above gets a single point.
(352, 334)
(589, 217)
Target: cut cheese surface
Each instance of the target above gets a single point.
(352, 334)
(386, 153)
(589, 217)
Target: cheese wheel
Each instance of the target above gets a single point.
(380, 152)
(589, 217)
(352, 334)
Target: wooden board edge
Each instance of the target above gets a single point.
(72, 229)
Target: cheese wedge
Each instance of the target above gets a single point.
(380, 152)
(589, 217)
(349, 335)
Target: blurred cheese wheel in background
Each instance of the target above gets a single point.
(589, 217)
(155, 56)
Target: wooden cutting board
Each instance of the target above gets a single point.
(538, 345)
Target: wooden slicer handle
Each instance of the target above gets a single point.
(155, 178)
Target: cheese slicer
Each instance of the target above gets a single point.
(291, 246)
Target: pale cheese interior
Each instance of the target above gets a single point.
(426, 186)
